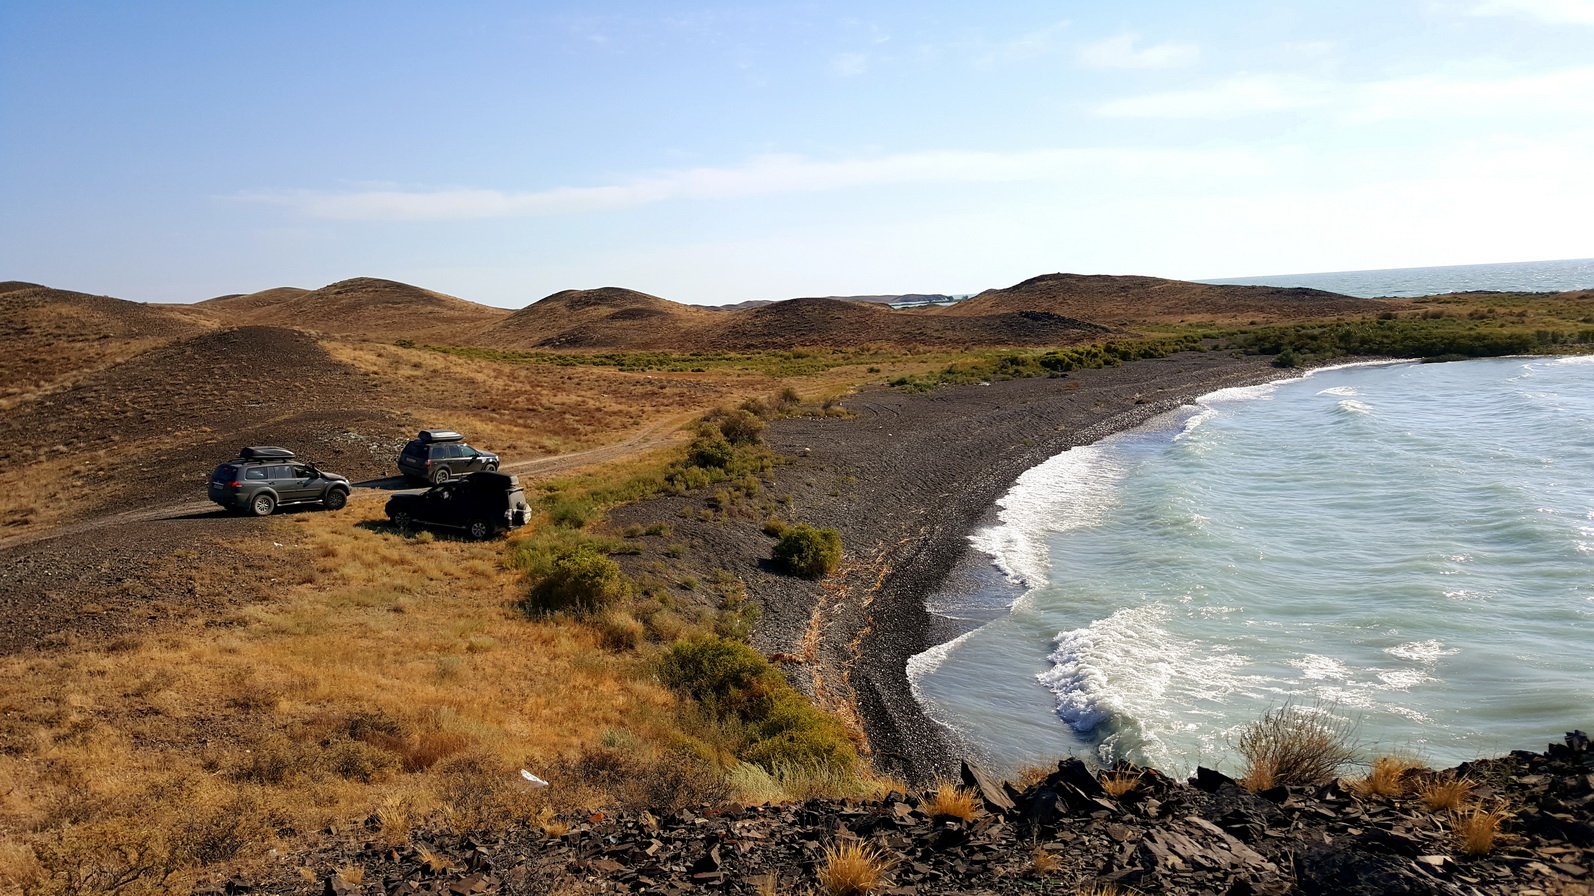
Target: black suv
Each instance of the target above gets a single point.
(482, 504)
(439, 454)
(264, 477)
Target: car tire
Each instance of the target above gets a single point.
(492, 468)
(336, 499)
(440, 474)
(401, 521)
(479, 530)
(263, 504)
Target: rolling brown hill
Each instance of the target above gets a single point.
(49, 337)
(360, 307)
(840, 323)
(609, 317)
(1127, 301)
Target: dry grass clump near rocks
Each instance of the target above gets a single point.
(1477, 829)
(1389, 776)
(853, 869)
(1119, 784)
(1293, 746)
(1445, 792)
(952, 801)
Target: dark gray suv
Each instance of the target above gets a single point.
(264, 477)
(437, 455)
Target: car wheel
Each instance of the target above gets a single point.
(336, 499)
(492, 468)
(479, 530)
(401, 521)
(263, 504)
(439, 475)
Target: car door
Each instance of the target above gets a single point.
(437, 505)
(469, 459)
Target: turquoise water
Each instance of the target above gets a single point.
(1517, 276)
(1409, 546)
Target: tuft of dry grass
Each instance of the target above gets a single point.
(1118, 784)
(1042, 861)
(1389, 776)
(1447, 793)
(1294, 746)
(853, 869)
(1477, 830)
(952, 801)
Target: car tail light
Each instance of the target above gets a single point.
(428, 464)
(235, 484)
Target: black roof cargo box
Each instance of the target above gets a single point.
(265, 452)
(440, 435)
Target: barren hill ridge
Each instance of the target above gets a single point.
(1125, 300)
(361, 306)
(607, 317)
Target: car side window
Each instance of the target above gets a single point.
(280, 471)
(300, 471)
(255, 473)
(466, 450)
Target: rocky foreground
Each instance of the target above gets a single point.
(1062, 834)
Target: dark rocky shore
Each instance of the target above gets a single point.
(906, 480)
(1062, 834)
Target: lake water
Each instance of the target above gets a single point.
(1410, 546)
(1519, 276)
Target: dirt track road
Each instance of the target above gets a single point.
(125, 570)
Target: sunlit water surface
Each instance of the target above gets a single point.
(1410, 546)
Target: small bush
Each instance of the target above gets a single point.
(711, 451)
(569, 511)
(581, 580)
(619, 630)
(741, 427)
(853, 869)
(1118, 784)
(1291, 746)
(809, 552)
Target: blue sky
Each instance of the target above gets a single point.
(715, 153)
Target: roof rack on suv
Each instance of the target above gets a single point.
(262, 452)
(440, 435)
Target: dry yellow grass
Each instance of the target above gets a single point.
(1118, 784)
(853, 869)
(399, 680)
(1446, 793)
(1042, 861)
(1477, 830)
(1292, 745)
(952, 801)
(1389, 776)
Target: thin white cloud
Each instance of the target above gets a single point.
(1565, 91)
(1124, 52)
(1230, 98)
(849, 65)
(762, 176)
(1029, 45)
(1556, 12)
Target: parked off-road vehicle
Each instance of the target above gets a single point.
(480, 504)
(265, 477)
(438, 454)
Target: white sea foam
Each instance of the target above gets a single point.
(1321, 667)
(1352, 406)
(1428, 651)
(1345, 391)
(1070, 491)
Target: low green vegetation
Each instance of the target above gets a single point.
(1438, 337)
(754, 711)
(807, 551)
(995, 367)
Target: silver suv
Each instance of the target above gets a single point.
(265, 477)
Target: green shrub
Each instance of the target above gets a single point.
(568, 511)
(741, 427)
(725, 676)
(581, 580)
(711, 450)
(806, 551)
